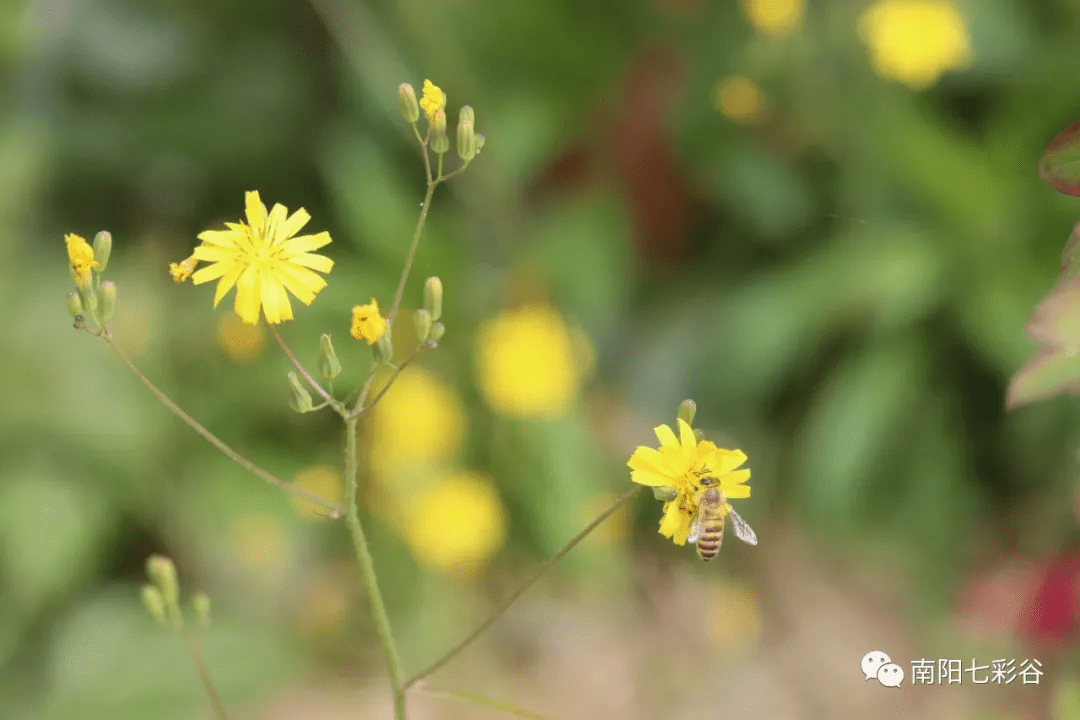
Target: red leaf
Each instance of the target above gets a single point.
(1060, 164)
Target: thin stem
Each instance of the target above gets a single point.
(363, 408)
(521, 590)
(412, 250)
(204, 675)
(303, 371)
(424, 152)
(483, 702)
(335, 510)
(367, 573)
(440, 175)
(454, 173)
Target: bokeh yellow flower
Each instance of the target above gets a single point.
(456, 523)
(420, 422)
(614, 528)
(432, 99)
(680, 463)
(915, 41)
(260, 543)
(527, 362)
(774, 17)
(265, 260)
(732, 615)
(81, 257)
(240, 341)
(738, 99)
(182, 270)
(322, 481)
(367, 323)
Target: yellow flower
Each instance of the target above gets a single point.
(81, 257)
(420, 422)
(774, 17)
(528, 364)
(680, 463)
(260, 543)
(367, 323)
(320, 480)
(915, 41)
(739, 99)
(263, 259)
(456, 524)
(433, 99)
(182, 270)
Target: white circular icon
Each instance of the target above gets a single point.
(890, 675)
(872, 662)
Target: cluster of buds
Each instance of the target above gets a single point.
(92, 301)
(426, 320)
(161, 595)
(433, 105)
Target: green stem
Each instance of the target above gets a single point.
(424, 151)
(412, 252)
(521, 590)
(362, 408)
(335, 509)
(204, 676)
(367, 573)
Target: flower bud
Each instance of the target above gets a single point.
(154, 603)
(699, 434)
(437, 331)
(664, 493)
(687, 410)
(433, 297)
(422, 323)
(410, 108)
(102, 249)
(329, 366)
(108, 300)
(466, 134)
(439, 141)
(162, 572)
(479, 143)
(201, 604)
(384, 346)
(299, 397)
(74, 304)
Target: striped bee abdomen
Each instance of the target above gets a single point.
(712, 535)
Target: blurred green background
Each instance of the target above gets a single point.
(820, 221)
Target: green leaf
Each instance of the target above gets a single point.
(486, 702)
(1056, 321)
(1060, 164)
(1051, 372)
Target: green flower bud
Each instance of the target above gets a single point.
(201, 604)
(154, 603)
(466, 135)
(410, 109)
(102, 249)
(699, 434)
(479, 143)
(299, 397)
(422, 323)
(664, 493)
(74, 304)
(439, 142)
(687, 410)
(85, 288)
(437, 331)
(108, 300)
(162, 572)
(433, 297)
(384, 346)
(329, 366)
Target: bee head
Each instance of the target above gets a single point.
(708, 482)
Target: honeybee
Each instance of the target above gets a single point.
(707, 527)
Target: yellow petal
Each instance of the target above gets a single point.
(689, 442)
(248, 297)
(300, 285)
(724, 461)
(211, 272)
(670, 522)
(665, 436)
(221, 238)
(227, 282)
(315, 262)
(733, 484)
(255, 211)
(275, 222)
(214, 253)
(306, 243)
(295, 223)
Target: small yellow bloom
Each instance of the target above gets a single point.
(182, 270)
(367, 323)
(457, 523)
(529, 364)
(260, 543)
(739, 99)
(680, 463)
(264, 260)
(915, 41)
(774, 17)
(432, 100)
(81, 257)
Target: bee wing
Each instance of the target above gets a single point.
(695, 528)
(741, 528)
